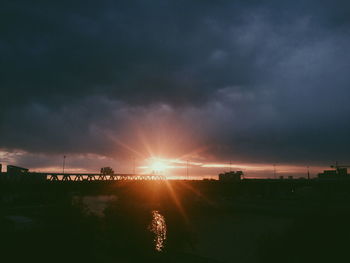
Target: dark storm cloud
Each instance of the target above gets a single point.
(252, 81)
(136, 52)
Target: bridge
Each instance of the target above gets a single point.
(15, 173)
(100, 177)
(76, 177)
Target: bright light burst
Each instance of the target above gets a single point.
(158, 165)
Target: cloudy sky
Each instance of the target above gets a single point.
(117, 82)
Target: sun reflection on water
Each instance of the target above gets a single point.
(158, 227)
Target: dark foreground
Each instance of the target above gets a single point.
(206, 221)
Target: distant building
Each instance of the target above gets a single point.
(15, 170)
(231, 176)
(338, 173)
(20, 174)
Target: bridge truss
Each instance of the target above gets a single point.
(101, 177)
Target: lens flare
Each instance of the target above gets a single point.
(158, 165)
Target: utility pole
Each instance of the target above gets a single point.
(64, 163)
(230, 166)
(308, 173)
(274, 171)
(187, 169)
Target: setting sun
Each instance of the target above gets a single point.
(158, 165)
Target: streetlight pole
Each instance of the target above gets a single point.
(64, 163)
(187, 169)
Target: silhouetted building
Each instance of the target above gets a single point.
(231, 176)
(339, 173)
(20, 174)
(15, 170)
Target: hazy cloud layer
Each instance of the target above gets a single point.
(216, 80)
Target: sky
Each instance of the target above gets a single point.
(114, 83)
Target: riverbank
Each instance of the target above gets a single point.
(205, 222)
